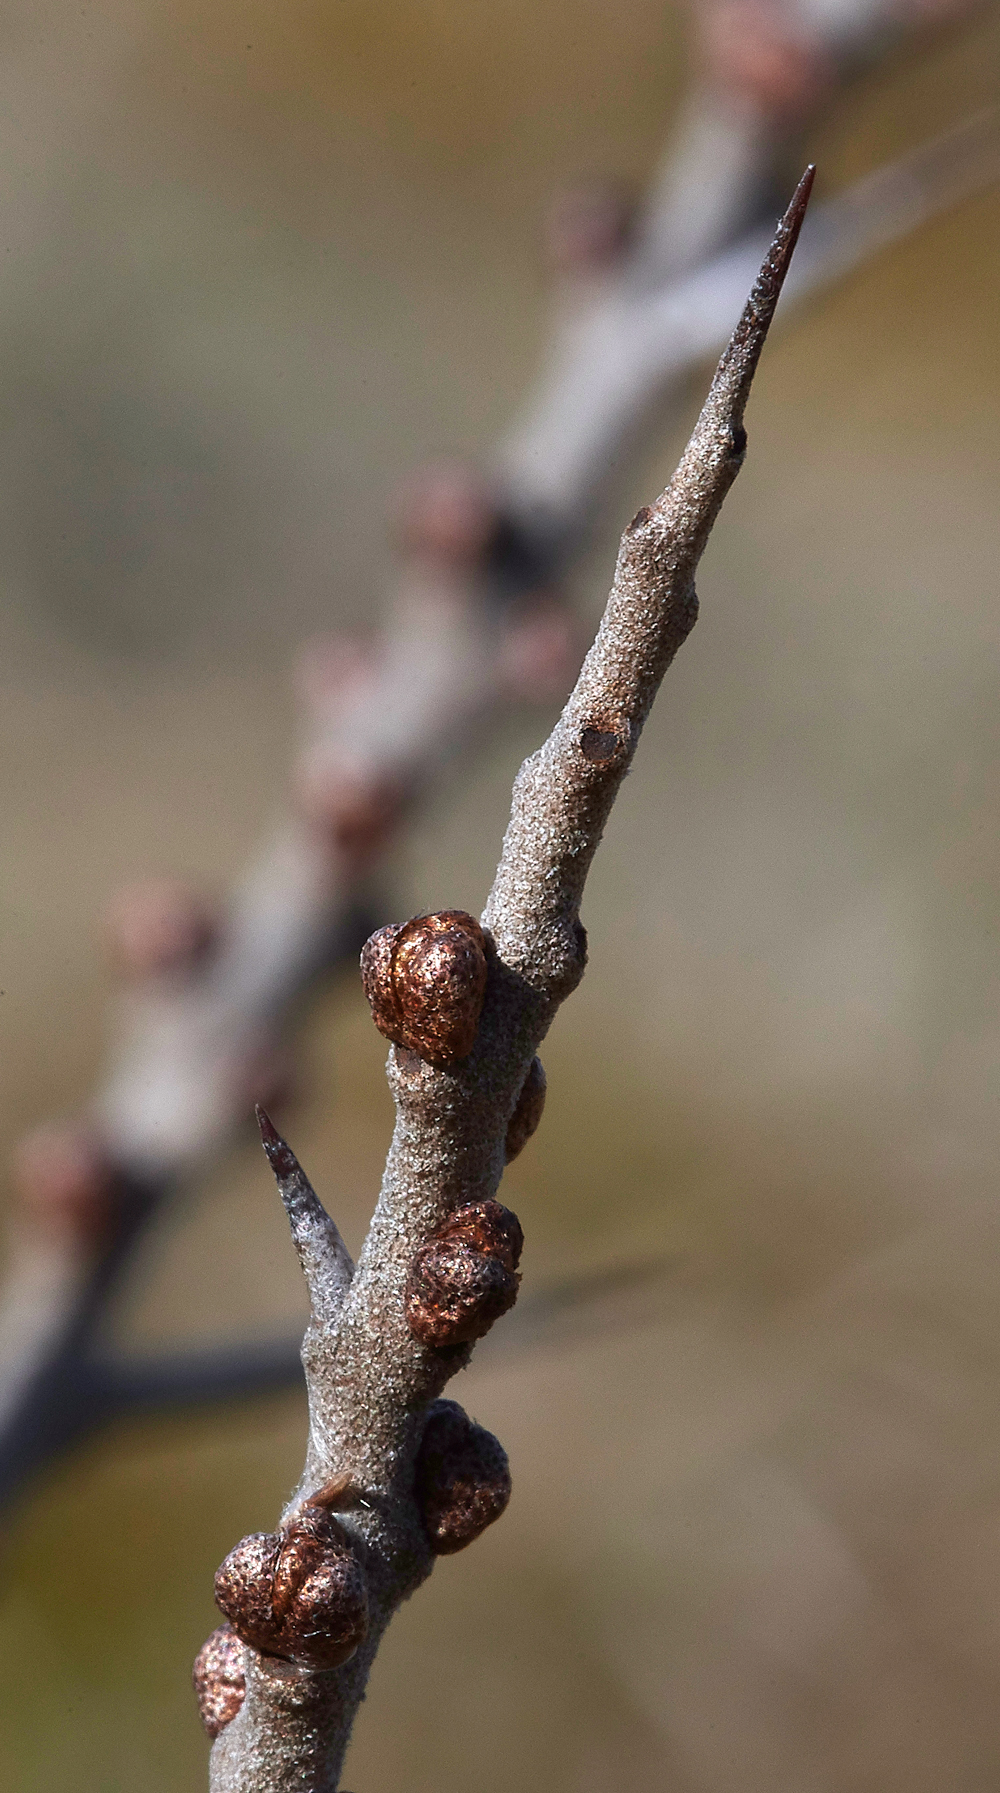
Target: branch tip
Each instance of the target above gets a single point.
(721, 420)
(787, 234)
(280, 1156)
(749, 336)
(294, 1186)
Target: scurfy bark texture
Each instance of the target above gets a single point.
(370, 1378)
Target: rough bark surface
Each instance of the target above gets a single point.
(370, 1380)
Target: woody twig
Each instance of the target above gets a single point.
(394, 1474)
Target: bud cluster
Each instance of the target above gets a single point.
(298, 1593)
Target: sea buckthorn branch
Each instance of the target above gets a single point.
(211, 988)
(466, 1006)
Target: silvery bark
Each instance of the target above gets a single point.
(369, 1380)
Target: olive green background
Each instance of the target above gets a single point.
(255, 263)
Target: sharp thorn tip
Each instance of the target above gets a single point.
(268, 1131)
(776, 263)
(280, 1155)
(791, 223)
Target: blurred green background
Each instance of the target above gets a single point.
(256, 264)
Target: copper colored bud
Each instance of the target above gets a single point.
(426, 983)
(298, 1593)
(446, 515)
(66, 1183)
(160, 928)
(589, 226)
(465, 1277)
(463, 1478)
(219, 1682)
(527, 1111)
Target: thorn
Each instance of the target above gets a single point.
(771, 278)
(301, 1201)
(325, 1259)
(280, 1156)
(720, 426)
(750, 333)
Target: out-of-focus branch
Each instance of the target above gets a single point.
(765, 70)
(633, 347)
(476, 623)
(408, 1475)
(201, 1026)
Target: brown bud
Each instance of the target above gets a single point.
(463, 1478)
(219, 1681)
(465, 1277)
(160, 928)
(66, 1183)
(298, 1593)
(426, 982)
(589, 226)
(527, 1111)
(446, 515)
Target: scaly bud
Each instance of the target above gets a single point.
(426, 983)
(463, 1478)
(465, 1277)
(298, 1593)
(219, 1682)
